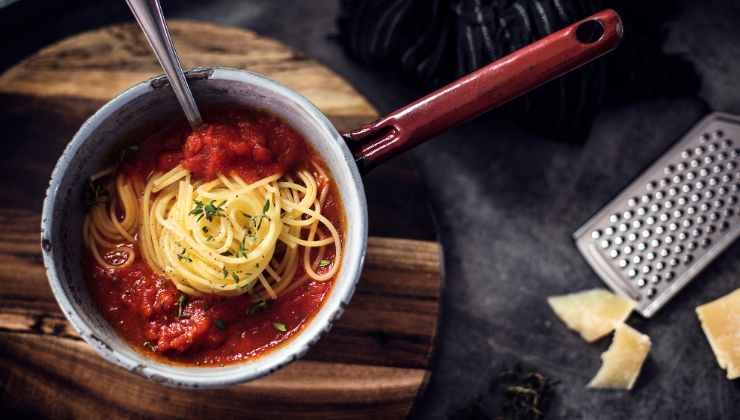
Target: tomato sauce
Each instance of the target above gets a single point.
(147, 309)
(252, 144)
(149, 312)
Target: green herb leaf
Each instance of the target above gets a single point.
(235, 277)
(220, 324)
(183, 256)
(242, 252)
(225, 272)
(324, 263)
(209, 211)
(197, 210)
(280, 326)
(257, 307)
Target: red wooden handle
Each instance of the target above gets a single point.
(486, 88)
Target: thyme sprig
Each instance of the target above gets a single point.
(209, 210)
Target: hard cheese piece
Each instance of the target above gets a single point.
(720, 320)
(621, 363)
(593, 313)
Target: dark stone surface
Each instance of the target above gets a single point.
(507, 202)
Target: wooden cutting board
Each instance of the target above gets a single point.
(373, 364)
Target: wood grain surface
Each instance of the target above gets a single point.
(376, 359)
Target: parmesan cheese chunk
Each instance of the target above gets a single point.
(622, 361)
(592, 313)
(720, 320)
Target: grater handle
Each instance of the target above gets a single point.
(488, 87)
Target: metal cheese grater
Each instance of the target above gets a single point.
(674, 219)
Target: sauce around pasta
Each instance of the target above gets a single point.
(213, 246)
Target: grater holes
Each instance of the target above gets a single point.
(655, 234)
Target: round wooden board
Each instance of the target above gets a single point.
(375, 361)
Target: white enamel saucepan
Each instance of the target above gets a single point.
(148, 103)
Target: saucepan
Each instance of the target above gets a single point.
(346, 155)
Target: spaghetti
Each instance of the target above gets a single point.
(220, 237)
